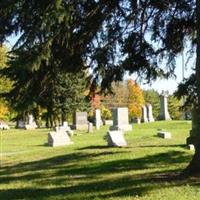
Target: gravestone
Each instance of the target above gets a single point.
(4, 126)
(30, 125)
(98, 121)
(164, 113)
(138, 120)
(58, 138)
(120, 120)
(20, 124)
(65, 128)
(108, 122)
(80, 121)
(149, 113)
(144, 114)
(116, 139)
(65, 124)
(163, 134)
(30, 119)
(90, 127)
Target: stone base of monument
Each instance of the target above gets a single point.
(58, 138)
(126, 127)
(81, 127)
(163, 117)
(108, 122)
(30, 126)
(151, 120)
(144, 120)
(116, 139)
(163, 134)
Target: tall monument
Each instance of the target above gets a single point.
(164, 113)
(150, 113)
(144, 114)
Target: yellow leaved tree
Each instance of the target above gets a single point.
(5, 84)
(135, 99)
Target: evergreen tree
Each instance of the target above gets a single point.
(5, 85)
(60, 93)
(174, 107)
(135, 99)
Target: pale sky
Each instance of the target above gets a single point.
(171, 84)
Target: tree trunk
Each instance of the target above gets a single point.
(51, 120)
(64, 117)
(194, 166)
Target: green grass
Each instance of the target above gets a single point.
(89, 169)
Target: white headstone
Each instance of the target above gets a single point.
(164, 113)
(4, 126)
(30, 119)
(90, 127)
(65, 124)
(144, 114)
(138, 121)
(98, 119)
(58, 138)
(149, 113)
(116, 139)
(30, 123)
(120, 120)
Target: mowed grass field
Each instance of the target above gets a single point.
(88, 169)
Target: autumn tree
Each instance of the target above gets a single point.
(95, 101)
(105, 113)
(135, 99)
(118, 97)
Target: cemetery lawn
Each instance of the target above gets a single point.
(89, 170)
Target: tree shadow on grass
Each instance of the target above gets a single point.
(62, 161)
(124, 165)
(94, 147)
(102, 179)
(126, 186)
(164, 145)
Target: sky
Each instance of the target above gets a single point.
(159, 85)
(172, 83)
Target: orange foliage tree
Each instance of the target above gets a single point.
(95, 101)
(135, 99)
